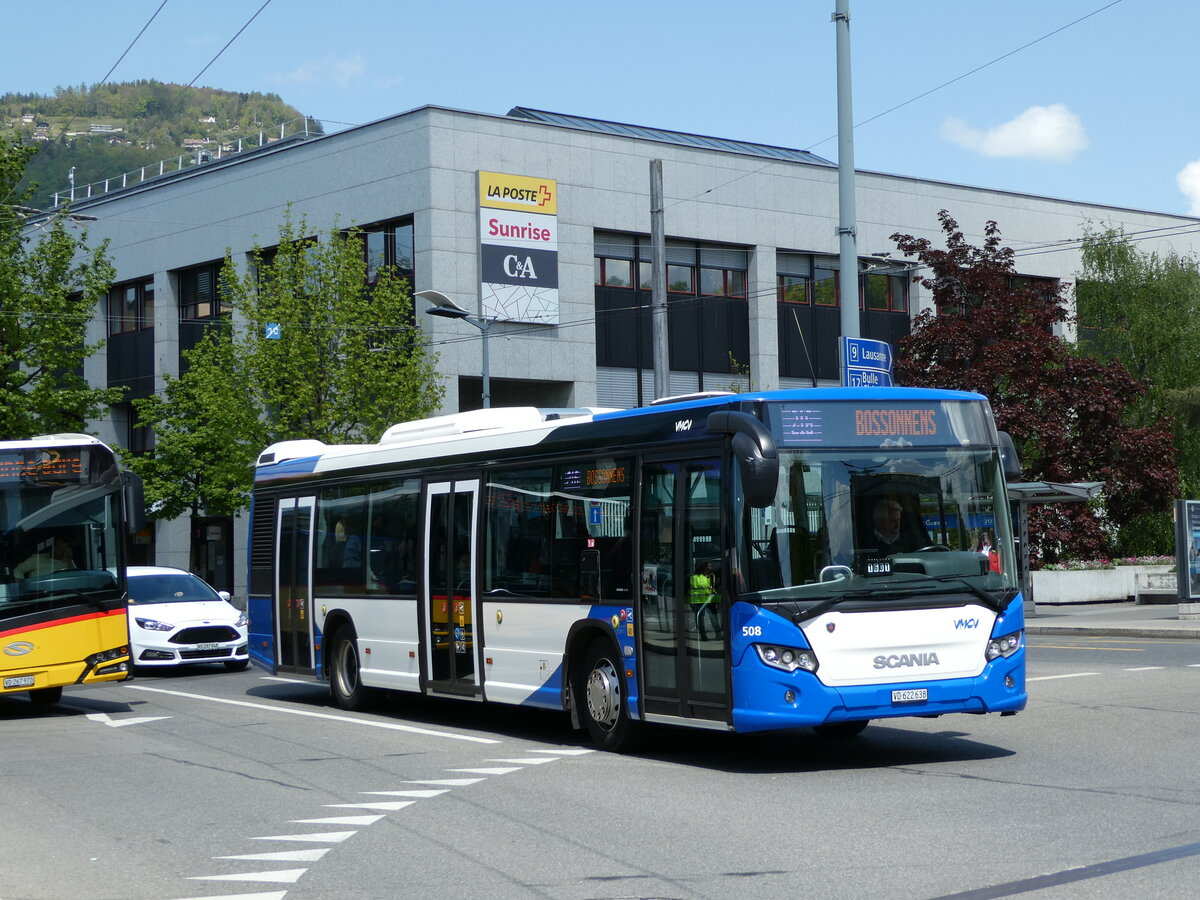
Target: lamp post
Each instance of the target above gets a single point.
(443, 306)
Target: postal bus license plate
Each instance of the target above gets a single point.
(915, 695)
(207, 646)
(19, 681)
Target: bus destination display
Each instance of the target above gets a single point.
(880, 424)
(53, 466)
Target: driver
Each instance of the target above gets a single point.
(885, 518)
(57, 557)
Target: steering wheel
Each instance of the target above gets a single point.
(940, 547)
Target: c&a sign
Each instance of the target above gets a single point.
(518, 247)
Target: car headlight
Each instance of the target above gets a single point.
(1003, 646)
(789, 659)
(154, 625)
(243, 621)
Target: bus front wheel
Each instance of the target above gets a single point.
(600, 691)
(345, 676)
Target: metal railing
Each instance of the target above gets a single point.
(197, 157)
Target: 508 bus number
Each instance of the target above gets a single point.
(751, 631)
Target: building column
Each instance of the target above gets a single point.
(764, 310)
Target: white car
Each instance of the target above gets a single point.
(176, 619)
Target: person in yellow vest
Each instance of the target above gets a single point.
(703, 598)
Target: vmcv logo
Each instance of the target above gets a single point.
(683, 425)
(18, 648)
(960, 624)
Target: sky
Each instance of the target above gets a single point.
(1092, 101)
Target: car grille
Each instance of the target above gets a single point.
(207, 634)
(205, 654)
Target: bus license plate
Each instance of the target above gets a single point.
(207, 646)
(916, 695)
(19, 681)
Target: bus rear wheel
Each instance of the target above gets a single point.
(600, 691)
(345, 675)
(45, 696)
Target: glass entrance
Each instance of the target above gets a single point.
(293, 586)
(450, 579)
(683, 611)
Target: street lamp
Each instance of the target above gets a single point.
(443, 306)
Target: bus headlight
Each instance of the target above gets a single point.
(789, 659)
(1003, 646)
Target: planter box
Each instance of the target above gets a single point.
(1093, 585)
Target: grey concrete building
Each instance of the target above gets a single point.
(752, 255)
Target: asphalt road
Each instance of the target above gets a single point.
(210, 784)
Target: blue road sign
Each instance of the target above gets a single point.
(866, 362)
(272, 331)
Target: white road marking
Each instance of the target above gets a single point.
(1052, 677)
(563, 751)
(495, 771)
(321, 837)
(270, 895)
(279, 876)
(388, 806)
(417, 795)
(1145, 668)
(448, 782)
(120, 723)
(339, 820)
(534, 761)
(288, 680)
(390, 726)
(283, 855)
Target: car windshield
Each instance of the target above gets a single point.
(890, 524)
(169, 588)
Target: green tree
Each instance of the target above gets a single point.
(51, 285)
(348, 363)
(1073, 417)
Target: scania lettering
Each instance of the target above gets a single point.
(64, 508)
(746, 562)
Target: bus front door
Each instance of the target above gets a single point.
(684, 617)
(293, 586)
(451, 511)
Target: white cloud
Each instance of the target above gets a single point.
(1051, 133)
(330, 69)
(1188, 180)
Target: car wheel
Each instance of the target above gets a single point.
(840, 729)
(45, 696)
(345, 681)
(237, 665)
(600, 692)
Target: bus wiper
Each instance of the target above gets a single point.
(829, 603)
(996, 603)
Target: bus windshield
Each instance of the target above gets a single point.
(60, 543)
(869, 524)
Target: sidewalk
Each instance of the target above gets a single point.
(1160, 620)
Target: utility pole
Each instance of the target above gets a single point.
(847, 237)
(658, 283)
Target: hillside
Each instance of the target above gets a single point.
(107, 130)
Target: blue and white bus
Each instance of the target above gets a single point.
(743, 562)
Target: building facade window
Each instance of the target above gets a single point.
(200, 293)
(131, 307)
(389, 244)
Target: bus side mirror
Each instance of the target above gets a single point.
(133, 495)
(755, 452)
(1009, 461)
